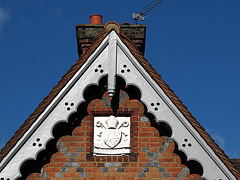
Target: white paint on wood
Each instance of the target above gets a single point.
(99, 64)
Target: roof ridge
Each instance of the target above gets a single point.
(149, 69)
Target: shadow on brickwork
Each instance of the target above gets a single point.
(62, 129)
(163, 128)
(193, 166)
(91, 93)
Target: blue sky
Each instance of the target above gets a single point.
(194, 45)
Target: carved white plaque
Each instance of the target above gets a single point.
(111, 135)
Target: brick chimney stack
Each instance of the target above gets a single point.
(87, 32)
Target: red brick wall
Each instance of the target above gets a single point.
(151, 156)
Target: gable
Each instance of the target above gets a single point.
(114, 56)
(158, 103)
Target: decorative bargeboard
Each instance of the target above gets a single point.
(112, 58)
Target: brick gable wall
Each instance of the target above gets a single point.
(152, 156)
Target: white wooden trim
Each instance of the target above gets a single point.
(99, 64)
(55, 113)
(167, 112)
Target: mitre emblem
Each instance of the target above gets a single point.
(112, 136)
(111, 132)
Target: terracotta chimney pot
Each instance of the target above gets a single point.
(96, 19)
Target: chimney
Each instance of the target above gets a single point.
(87, 32)
(95, 19)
